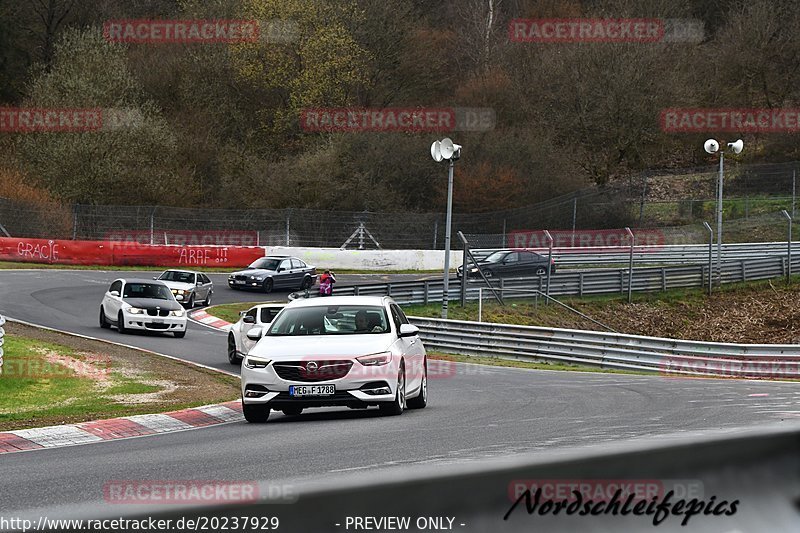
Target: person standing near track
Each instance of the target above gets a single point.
(326, 282)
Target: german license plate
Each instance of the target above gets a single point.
(312, 390)
(157, 321)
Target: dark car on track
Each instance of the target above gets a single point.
(274, 272)
(510, 264)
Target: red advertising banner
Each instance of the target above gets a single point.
(112, 253)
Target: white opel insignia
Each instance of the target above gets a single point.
(353, 351)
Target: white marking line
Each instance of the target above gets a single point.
(159, 423)
(758, 395)
(51, 437)
(223, 413)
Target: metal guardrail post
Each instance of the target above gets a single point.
(426, 291)
(710, 253)
(788, 246)
(463, 268)
(549, 261)
(630, 264)
(480, 304)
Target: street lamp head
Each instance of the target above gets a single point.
(436, 151)
(736, 146)
(711, 146)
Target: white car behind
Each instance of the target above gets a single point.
(258, 316)
(140, 304)
(188, 287)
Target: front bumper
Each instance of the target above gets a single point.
(153, 323)
(263, 386)
(245, 284)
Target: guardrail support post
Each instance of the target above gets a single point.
(664, 279)
(426, 289)
(744, 270)
(549, 262)
(710, 253)
(630, 264)
(480, 304)
(788, 247)
(355, 290)
(580, 284)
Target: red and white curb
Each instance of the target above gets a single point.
(211, 321)
(119, 428)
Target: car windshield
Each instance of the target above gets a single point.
(265, 263)
(496, 257)
(150, 291)
(331, 320)
(177, 275)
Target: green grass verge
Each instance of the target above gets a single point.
(37, 389)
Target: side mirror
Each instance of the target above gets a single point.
(408, 330)
(255, 333)
(155, 277)
(249, 320)
(281, 269)
(114, 293)
(199, 283)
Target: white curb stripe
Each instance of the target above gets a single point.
(223, 413)
(159, 423)
(56, 436)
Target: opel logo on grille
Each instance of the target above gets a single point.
(312, 366)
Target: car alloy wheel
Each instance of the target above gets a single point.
(540, 271)
(103, 321)
(267, 287)
(121, 323)
(422, 399)
(255, 414)
(190, 303)
(208, 299)
(399, 404)
(232, 357)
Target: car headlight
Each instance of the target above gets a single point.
(177, 312)
(136, 311)
(473, 269)
(256, 362)
(378, 359)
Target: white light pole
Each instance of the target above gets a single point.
(712, 146)
(446, 150)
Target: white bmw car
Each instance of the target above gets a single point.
(141, 304)
(239, 344)
(354, 351)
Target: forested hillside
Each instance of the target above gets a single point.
(219, 124)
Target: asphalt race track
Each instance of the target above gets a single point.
(478, 412)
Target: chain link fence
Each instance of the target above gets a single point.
(676, 201)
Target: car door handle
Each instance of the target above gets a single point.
(414, 341)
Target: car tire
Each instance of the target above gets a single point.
(104, 323)
(292, 411)
(180, 334)
(232, 357)
(488, 274)
(208, 299)
(267, 285)
(121, 323)
(190, 303)
(399, 404)
(422, 398)
(541, 271)
(255, 414)
(306, 283)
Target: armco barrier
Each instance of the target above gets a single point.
(757, 468)
(110, 253)
(671, 357)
